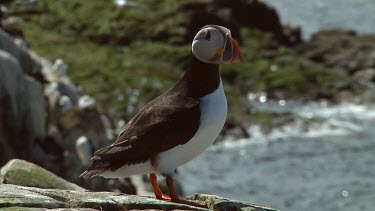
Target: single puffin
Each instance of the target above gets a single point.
(177, 126)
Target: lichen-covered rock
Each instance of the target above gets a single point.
(18, 196)
(222, 204)
(20, 172)
(27, 185)
(24, 197)
(14, 47)
(22, 111)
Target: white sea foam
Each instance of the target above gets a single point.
(326, 120)
(322, 157)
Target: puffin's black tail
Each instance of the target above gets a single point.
(96, 168)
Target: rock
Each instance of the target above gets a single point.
(220, 204)
(60, 67)
(110, 127)
(38, 209)
(365, 76)
(235, 15)
(65, 103)
(42, 114)
(86, 102)
(22, 111)
(65, 87)
(28, 64)
(84, 150)
(20, 172)
(25, 184)
(341, 50)
(24, 197)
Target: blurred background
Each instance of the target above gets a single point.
(300, 131)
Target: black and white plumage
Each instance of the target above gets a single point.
(178, 125)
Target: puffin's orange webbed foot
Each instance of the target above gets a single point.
(164, 197)
(176, 199)
(158, 193)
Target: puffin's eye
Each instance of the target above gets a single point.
(208, 35)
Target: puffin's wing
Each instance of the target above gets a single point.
(164, 123)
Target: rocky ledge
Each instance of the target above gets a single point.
(26, 186)
(29, 198)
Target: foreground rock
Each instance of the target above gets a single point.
(20, 172)
(13, 196)
(27, 186)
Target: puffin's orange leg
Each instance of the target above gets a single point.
(174, 196)
(158, 193)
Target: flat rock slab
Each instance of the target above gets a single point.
(225, 204)
(14, 197)
(23, 173)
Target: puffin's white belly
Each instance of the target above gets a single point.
(213, 114)
(129, 170)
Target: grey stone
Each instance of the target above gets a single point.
(22, 111)
(19, 196)
(365, 76)
(28, 63)
(39, 209)
(20, 172)
(84, 150)
(30, 187)
(34, 126)
(223, 204)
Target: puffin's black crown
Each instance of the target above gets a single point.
(222, 29)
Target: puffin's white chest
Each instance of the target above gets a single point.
(213, 114)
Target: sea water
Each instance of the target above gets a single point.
(314, 15)
(326, 164)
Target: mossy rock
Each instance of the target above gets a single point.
(222, 204)
(20, 172)
(14, 197)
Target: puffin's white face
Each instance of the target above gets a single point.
(207, 43)
(212, 45)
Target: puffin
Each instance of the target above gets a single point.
(178, 125)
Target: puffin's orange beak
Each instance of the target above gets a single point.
(232, 53)
(236, 52)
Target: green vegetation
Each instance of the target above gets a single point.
(114, 51)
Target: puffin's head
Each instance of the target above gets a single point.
(214, 44)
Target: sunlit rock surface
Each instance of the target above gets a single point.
(20, 172)
(18, 196)
(24, 197)
(24, 185)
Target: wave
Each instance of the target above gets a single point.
(312, 120)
